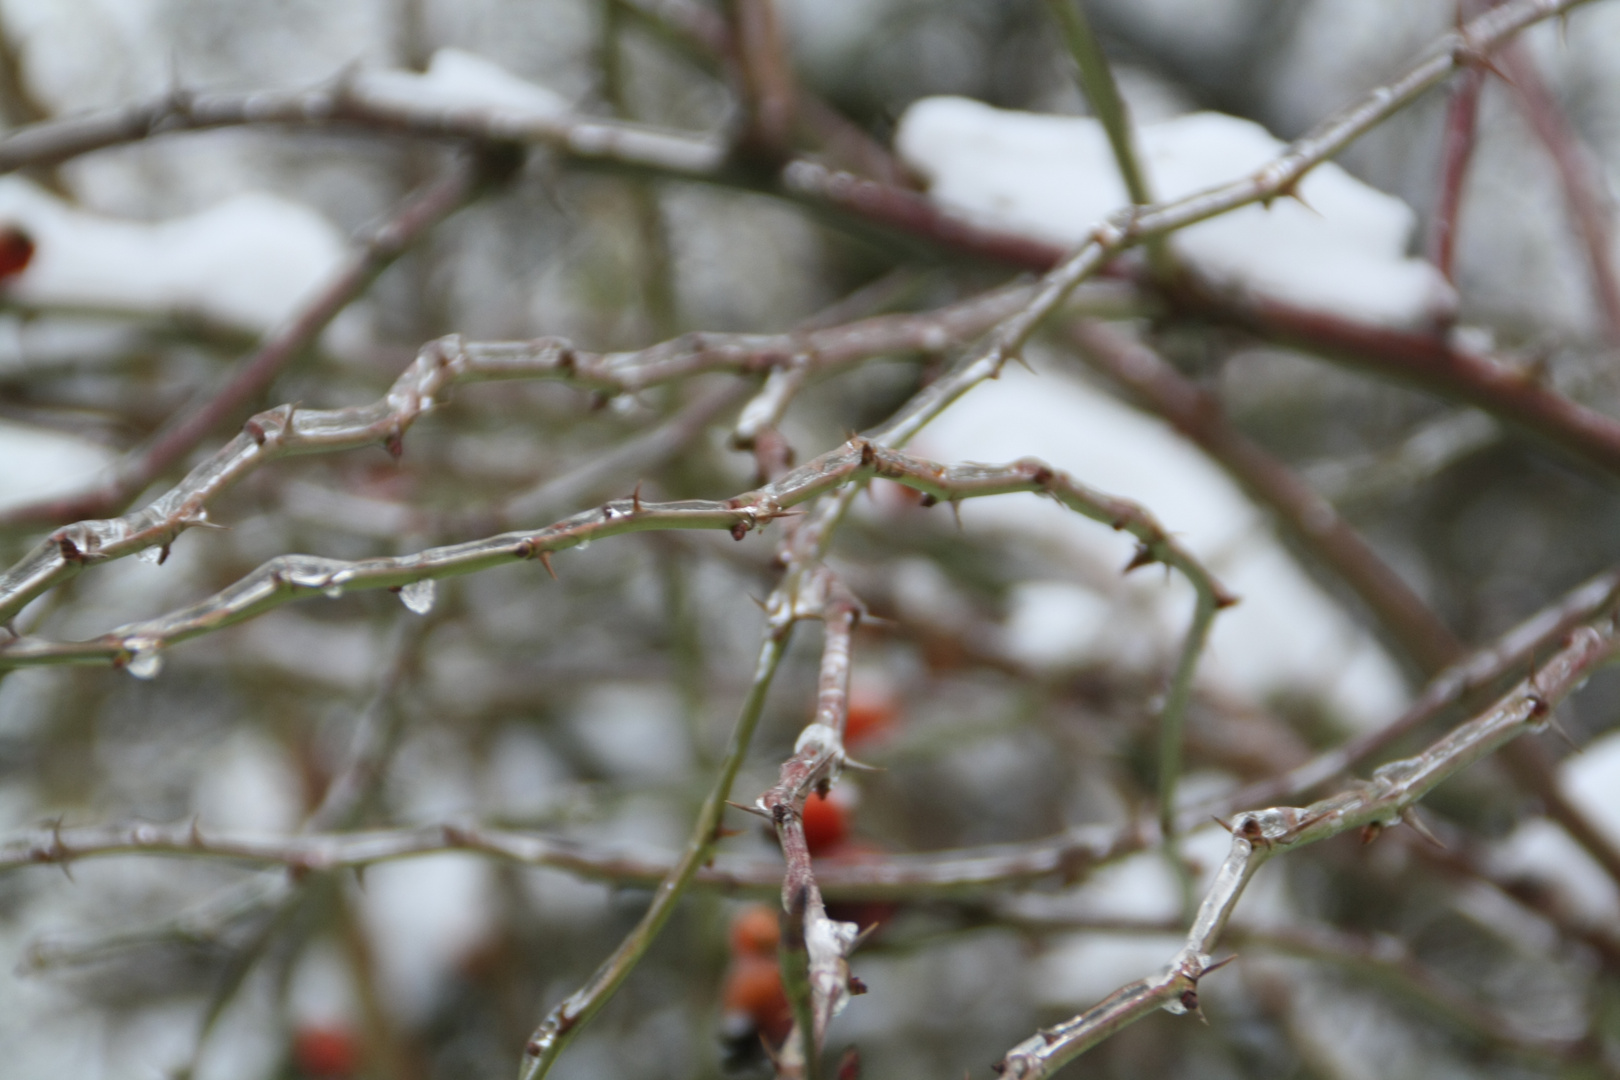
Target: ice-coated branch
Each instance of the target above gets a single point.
(818, 758)
(1068, 856)
(419, 213)
(290, 577)
(1379, 959)
(1513, 651)
(441, 365)
(1257, 835)
(356, 103)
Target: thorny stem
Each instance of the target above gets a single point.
(555, 1032)
(1258, 835)
(1378, 958)
(818, 758)
(1069, 855)
(440, 366)
(1197, 415)
(1512, 652)
(290, 577)
(1327, 536)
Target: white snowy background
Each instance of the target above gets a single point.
(223, 228)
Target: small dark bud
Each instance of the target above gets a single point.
(739, 530)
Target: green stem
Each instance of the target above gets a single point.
(1173, 718)
(557, 1030)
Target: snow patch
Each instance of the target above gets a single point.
(1286, 634)
(425, 917)
(461, 80)
(1054, 178)
(250, 261)
(42, 464)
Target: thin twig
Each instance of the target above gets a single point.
(818, 758)
(1456, 149)
(1585, 189)
(1197, 414)
(1258, 835)
(437, 368)
(554, 1033)
(289, 577)
(1068, 856)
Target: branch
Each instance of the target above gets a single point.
(290, 577)
(440, 366)
(1585, 189)
(557, 1029)
(1512, 652)
(1456, 149)
(1068, 856)
(1258, 835)
(818, 758)
(1196, 413)
(1318, 527)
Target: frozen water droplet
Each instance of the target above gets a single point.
(144, 663)
(418, 595)
(333, 591)
(153, 555)
(583, 544)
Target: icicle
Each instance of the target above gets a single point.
(418, 596)
(144, 659)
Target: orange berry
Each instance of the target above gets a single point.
(754, 990)
(327, 1052)
(16, 249)
(873, 713)
(826, 824)
(755, 931)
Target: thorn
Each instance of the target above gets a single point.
(762, 605)
(1410, 816)
(163, 554)
(1217, 965)
(1223, 824)
(1144, 557)
(749, 808)
(545, 560)
(861, 766)
(1370, 832)
(635, 498)
(395, 444)
(1552, 722)
(956, 511)
(1018, 357)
